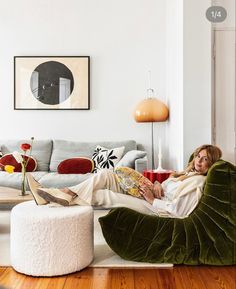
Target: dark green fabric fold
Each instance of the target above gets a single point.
(207, 236)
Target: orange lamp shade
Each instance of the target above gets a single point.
(151, 110)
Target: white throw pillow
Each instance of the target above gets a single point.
(128, 160)
(105, 158)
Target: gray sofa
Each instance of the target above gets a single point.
(49, 153)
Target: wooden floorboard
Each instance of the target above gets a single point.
(178, 277)
(145, 279)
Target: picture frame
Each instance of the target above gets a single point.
(51, 82)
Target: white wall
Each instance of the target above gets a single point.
(174, 82)
(188, 77)
(125, 39)
(196, 76)
(229, 22)
(224, 114)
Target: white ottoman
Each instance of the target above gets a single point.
(49, 241)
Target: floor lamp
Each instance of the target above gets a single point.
(151, 110)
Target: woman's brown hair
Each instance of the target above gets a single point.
(213, 154)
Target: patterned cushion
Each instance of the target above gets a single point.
(106, 158)
(9, 159)
(79, 165)
(132, 182)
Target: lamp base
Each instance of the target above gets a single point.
(159, 169)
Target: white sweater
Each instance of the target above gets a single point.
(181, 197)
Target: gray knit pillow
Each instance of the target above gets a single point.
(128, 160)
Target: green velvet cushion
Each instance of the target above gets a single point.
(207, 236)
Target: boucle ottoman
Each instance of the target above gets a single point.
(50, 241)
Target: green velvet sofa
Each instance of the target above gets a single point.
(207, 236)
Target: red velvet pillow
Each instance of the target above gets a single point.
(76, 166)
(9, 159)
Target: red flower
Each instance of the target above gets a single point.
(25, 146)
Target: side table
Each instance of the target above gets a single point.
(10, 196)
(160, 176)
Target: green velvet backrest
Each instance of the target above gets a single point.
(207, 236)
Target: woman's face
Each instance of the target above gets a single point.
(201, 163)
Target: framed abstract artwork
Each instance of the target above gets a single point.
(51, 82)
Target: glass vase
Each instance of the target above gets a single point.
(23, 182)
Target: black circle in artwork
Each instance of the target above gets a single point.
(51, 82)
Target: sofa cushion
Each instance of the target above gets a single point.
(41, 151)
(128, 160)
(55, 180)
(15, 180)
(63, 149)
(105, 158)
(9, 159)
(76, 166)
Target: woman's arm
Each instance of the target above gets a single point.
(180, 207)
(185, 198)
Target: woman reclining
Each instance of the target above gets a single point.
(176, 197)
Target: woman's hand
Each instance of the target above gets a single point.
(158, 190)
(148, 196)
(156, 193)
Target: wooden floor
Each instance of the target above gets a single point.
(178, 277)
